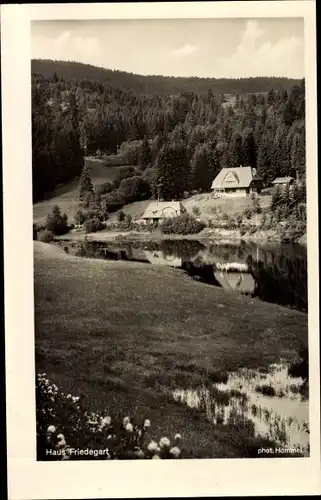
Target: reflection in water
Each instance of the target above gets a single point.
(272, 273)
(282, 417)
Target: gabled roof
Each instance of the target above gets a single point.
(282, 180)
(240, 282)
(238, 177)
(160, 209)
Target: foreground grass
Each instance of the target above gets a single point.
(118, 333)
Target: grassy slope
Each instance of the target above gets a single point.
(67, 197)
(112, 331)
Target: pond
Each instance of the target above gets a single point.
(272, 402)
(275, 273)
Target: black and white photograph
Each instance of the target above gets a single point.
(170, 254)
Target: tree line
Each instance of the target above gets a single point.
(75, 71)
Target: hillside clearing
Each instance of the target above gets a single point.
(67, 196)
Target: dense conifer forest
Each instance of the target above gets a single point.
(179, 132)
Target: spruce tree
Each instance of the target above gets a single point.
(86, 185)
(173, 175)
(204, 166)
(248, 148)
(145, 155)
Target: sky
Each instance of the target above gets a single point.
(217, 48)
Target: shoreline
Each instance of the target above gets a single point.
(260, 238)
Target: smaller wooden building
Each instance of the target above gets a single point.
(283, 181)
(159, 210)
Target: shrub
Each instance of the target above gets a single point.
(196, 211)
(266, 390)
(257, 206)
(80, 217)
(57, 223)
(64, 425)
(248, 213)
(300, 367)
(45, 236)
(134, 188)
(182, 224)
(93, 225)
(121, 216)
(239, 219)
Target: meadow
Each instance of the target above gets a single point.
(123, 335)
(67, 196)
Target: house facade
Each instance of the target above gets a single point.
(159, 210)
(238, 181)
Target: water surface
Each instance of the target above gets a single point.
(275, 273)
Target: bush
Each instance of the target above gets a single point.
(134, 188)
(182, 224)
(266, 390)
(64, 425)
(248, 213)
(80, 217)
(45, 236)
(121, 216)
(57, 223)
(239, 219)
(93, 225)
(257, 206)
(196, 211)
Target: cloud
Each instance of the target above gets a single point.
(68, 47)
(185, 51)
(256, 58)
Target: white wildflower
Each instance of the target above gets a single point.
(164, 442)
(156, 456)
(178, 437)
(51, 429)
(61, 443)
(153, 446)
(175, 451)
(147, 423)
(129, 427)
(126, 421)
(60, 436)
(75, 399)
(139, 453)
(106, 421)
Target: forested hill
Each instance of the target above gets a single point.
(75, 71)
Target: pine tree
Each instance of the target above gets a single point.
(145, 156)
(281, 158)
(248, 148)
(173, 176)
(265, 167)
(235, 150)
(86, 185)
(204, 166)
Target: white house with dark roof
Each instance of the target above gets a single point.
(237, 181)
(158, 210)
